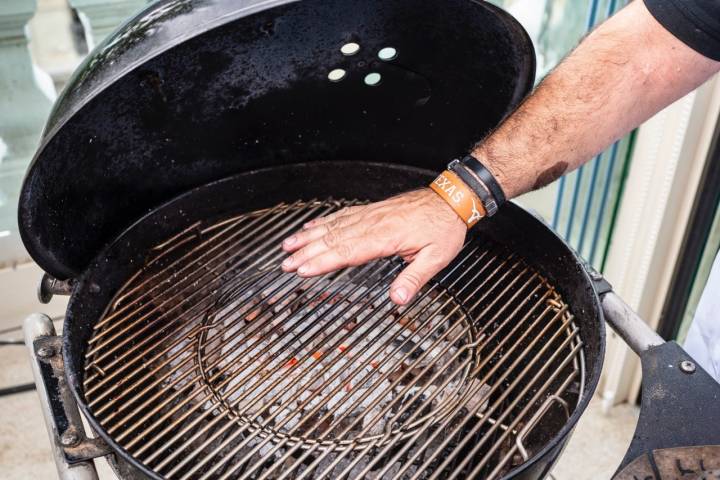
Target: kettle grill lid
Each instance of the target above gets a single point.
(191, 91)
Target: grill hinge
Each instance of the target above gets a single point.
(50, 286)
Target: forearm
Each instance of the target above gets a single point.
(620, 75)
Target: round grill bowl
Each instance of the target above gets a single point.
(520, 246)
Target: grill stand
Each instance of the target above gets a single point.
(72, 450)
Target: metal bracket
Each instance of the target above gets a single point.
(50, 286)
(72, 450)
(85, 449)
(73, 442)
(600, 283)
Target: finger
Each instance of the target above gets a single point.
(349, 253)
(343, 212)
(304, 237)
(426, 265)
(333, 239)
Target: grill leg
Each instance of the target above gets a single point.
(39, 333)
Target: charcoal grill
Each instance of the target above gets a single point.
(260, 374)
(198, 136)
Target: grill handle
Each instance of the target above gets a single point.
(50, 286)
(626, 323)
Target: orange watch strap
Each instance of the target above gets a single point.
(459, 196)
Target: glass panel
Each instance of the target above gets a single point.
(555, 26)
(701, 277)
(25, 100)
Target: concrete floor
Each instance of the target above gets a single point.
(594, 451)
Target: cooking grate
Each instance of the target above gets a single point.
(213, 363)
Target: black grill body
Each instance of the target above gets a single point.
(514, 228)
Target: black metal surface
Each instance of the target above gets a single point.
(679, 409)
(253, 190)
(49, 287)
(194, 91)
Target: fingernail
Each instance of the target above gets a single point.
(290, 241)
(401, 294)
(309, 224)
(287, 262)
(303, 269)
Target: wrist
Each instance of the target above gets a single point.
(503, 181)
(481, 181)
(459, 197)
(443, 208)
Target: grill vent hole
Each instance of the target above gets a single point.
(350, 49)
(387, 54)
(373, 79)
(337, 75)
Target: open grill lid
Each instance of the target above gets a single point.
(190, 91)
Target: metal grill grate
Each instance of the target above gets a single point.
(213, 363)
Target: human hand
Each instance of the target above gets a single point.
(419, 226)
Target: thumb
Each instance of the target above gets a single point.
(423, 267)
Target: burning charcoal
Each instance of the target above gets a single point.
(349, 403)
(398, 372)
(408, 323)
(417, 406)
(408, 346)
(359, 467)
(282, 415)
(323, 297)
(245, 405)
(255, 313)
(265, 450)
(393, 471)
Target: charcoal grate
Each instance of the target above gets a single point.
(212, 363)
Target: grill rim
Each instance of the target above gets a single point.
(512, 225)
